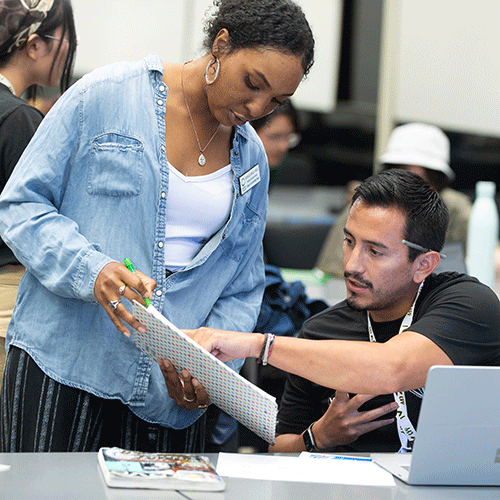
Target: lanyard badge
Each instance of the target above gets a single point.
(406, 431)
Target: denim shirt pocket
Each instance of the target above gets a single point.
(116, 166)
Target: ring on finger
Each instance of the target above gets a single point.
(202, 407)
(114, 304)
(122, 289)
(188, 400)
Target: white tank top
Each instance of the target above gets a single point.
(197, 207)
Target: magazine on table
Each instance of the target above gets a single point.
(163, 471)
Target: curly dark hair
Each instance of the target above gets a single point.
(280, 24)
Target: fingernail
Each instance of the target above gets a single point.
(142, 329)
(166, 362)
(185, 374)
(195, 383)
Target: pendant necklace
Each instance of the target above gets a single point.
(201, 159)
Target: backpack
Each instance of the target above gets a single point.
(285, 306)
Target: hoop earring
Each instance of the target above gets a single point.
(209, 65)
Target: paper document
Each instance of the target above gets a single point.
(303, 469)
(232, 393)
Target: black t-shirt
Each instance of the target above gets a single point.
(455, 311)
(18, 123)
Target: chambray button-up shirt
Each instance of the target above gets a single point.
(91, 188)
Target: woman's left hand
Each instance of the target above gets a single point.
(185, 390)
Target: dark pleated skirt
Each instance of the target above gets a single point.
(39, 414)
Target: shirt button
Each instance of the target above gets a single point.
(160, 102)
(162, 88)
(159, 293)
(160, 244)
(163, 195)
(163, 148)
(236, 153)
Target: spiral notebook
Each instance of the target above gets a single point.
(238, 397)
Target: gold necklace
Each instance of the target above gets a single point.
(201, 159)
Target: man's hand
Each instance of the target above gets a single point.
(226, 345)
(185, 390)
(342, 423)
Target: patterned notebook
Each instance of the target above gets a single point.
(232, 393)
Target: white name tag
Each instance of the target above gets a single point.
(249, 179)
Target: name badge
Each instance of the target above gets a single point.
(249, 179)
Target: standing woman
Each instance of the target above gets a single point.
(37, 47)
(155, 162)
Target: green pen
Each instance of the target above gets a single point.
(131, 268)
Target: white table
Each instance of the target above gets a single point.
(76, 476)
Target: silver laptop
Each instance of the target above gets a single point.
(458, 433)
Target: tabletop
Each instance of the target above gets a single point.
(76, 476)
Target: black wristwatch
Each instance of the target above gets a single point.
(309, 439)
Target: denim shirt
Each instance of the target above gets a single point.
(91, 188)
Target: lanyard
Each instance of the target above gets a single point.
(7, 84)
(406, 431)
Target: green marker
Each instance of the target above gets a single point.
(131, 268)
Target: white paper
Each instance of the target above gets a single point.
(304, 469)
(4, 467)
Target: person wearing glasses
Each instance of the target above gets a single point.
(154, 162)
(37, 48)
(358, 369)
(279, 132)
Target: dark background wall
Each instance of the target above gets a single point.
(339, 146)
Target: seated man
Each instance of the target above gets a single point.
(398, 320)
(424, 150)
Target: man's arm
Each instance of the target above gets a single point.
(341, 424)
(399, 364)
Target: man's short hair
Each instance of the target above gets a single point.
(427, 216)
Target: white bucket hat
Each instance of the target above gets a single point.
(419, 144)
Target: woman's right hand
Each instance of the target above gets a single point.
(115, 282)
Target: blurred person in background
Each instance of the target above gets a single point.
(279, 132)
(37, 48)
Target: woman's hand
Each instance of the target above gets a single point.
(185, 390)
(115, 282)
(226, 345)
